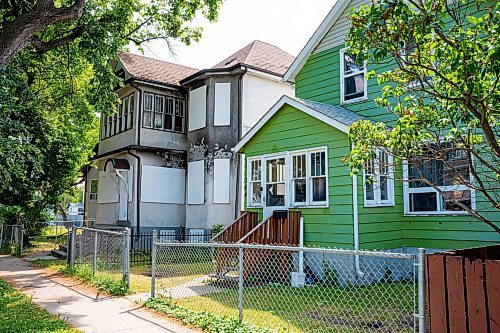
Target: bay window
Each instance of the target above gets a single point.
(378, 180)
(122, 120)
(450, 175)
(353, 83)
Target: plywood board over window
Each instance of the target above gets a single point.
(196, 183)
(163, 185)
(222, 113)
(108, 188)
(221, 180)
(197, 108)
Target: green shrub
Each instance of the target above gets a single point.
(206, 321)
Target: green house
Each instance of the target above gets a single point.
(294, 161)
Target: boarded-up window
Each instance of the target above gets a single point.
(222, 114)
(221, 180)
(108, 188)
(163, 185)
(196, 183)
(197, 108)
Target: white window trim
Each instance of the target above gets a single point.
(407, 191)
(365, 96)
(288, 178)
(90, 189)
(250, 203)
(377, 201)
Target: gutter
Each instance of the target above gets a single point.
(238, 204)
(139, 164)
(356, 224)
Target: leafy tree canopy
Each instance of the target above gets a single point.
(442, 92)
(55, 78)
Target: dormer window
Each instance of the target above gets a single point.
(353, 83)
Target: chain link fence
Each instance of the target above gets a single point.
(101, 252)
(292, 289)
(12, 239)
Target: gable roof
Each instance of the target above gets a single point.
(333, 115)
(261, 56)
(150, 69)
(316, 38)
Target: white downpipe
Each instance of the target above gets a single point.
(119, 174)
(356, 224)
(301, 244)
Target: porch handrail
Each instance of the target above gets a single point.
(238, 221)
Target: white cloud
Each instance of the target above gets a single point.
(287, 24)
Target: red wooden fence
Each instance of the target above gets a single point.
(463, 291)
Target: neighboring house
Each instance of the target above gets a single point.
(294, 161)
(172, 135)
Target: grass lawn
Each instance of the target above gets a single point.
(376, 308)
(19, 314)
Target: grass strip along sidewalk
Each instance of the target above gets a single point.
(111, 284)
(208, 322)
(19, 314)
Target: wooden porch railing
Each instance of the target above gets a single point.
(275, 231)
(238, 229)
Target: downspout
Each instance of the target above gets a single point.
(238, 204)
(356, 224)
(139, 164)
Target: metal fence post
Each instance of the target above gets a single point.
(94, 254)
(421, 290)
(125, 255)
(21, 239)
(71, 248)
(153, 264)
(240, 284)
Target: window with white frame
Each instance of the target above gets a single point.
(163, 113)
(255, 182)
(450, 175)
(299, 179)
(302, 174)
(318, 177)
(378, 179)
(352, 78)
(94, 183)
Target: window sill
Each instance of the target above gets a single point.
(437, 214)
(310, 206)
(359, 99)
(379, 205)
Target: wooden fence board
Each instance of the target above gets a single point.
(492, 269)
(437, 294)
(476, 304)
(456, 295)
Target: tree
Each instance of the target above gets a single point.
(438, 62)
(56, 77)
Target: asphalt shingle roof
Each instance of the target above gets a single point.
(160, 71)
(260, 55)
(336, 112)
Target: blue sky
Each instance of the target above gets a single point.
(287, 24)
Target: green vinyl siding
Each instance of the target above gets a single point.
(319, 80)
(290, 129)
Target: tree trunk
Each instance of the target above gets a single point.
(21, 32)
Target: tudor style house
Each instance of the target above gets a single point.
(164, 159)
(294, 162)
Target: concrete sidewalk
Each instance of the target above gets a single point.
(87, 312)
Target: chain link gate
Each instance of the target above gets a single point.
(12, 239)
(293, 289)
(103, 252)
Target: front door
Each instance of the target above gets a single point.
(275, 197)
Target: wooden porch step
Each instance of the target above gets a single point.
(58, 254)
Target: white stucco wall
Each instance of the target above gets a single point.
(259, 95)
